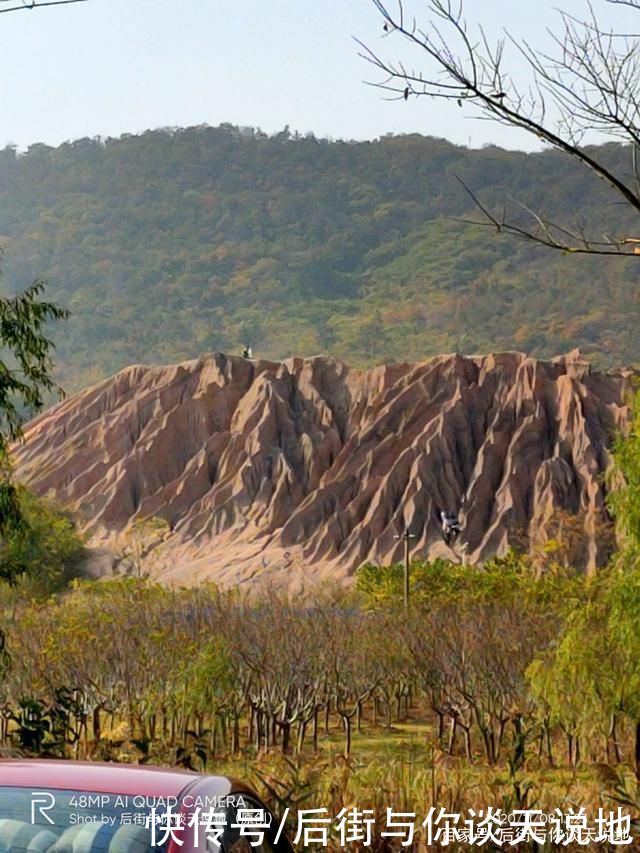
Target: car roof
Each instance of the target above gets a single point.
(95, 777)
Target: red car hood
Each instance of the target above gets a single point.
(92, 777)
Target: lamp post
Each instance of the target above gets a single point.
(406, 536)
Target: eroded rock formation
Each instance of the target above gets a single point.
(297, 471)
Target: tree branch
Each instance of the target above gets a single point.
(593, 84)
(36, 5)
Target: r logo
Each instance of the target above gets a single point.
(41, 803)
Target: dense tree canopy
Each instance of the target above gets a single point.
(175, 242)
(47, 547)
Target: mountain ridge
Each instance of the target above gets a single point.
(291, 472)
(175, 242)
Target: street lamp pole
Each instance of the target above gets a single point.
(406, 536)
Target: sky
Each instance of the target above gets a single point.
(108, 67)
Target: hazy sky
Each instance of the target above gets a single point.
(107, 67)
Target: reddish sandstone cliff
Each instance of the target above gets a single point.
(297, 471)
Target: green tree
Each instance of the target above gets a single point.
(591, 675)
(26, 376)
(578, 684)
(46, 544)
(624, 494)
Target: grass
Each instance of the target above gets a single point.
(403, 769)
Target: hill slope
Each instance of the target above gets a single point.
(175, 242)
(289, 472)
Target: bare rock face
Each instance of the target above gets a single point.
(299, 471)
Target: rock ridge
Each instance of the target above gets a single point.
(298, 471)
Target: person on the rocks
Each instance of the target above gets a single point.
(246, 352)
(450, 526)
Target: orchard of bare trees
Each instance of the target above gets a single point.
(196, 674)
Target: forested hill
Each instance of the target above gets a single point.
(176, 242)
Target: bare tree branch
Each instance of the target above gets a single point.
(634, 4)
(548, 233)
(33, 4)
(590, 84)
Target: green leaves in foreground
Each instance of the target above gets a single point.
(40, 555)
(26, 377)
(624, 494)
(508, 578)
(26, 370)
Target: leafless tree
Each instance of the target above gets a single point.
(589, 83)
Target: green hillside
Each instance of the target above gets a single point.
(175, 242)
